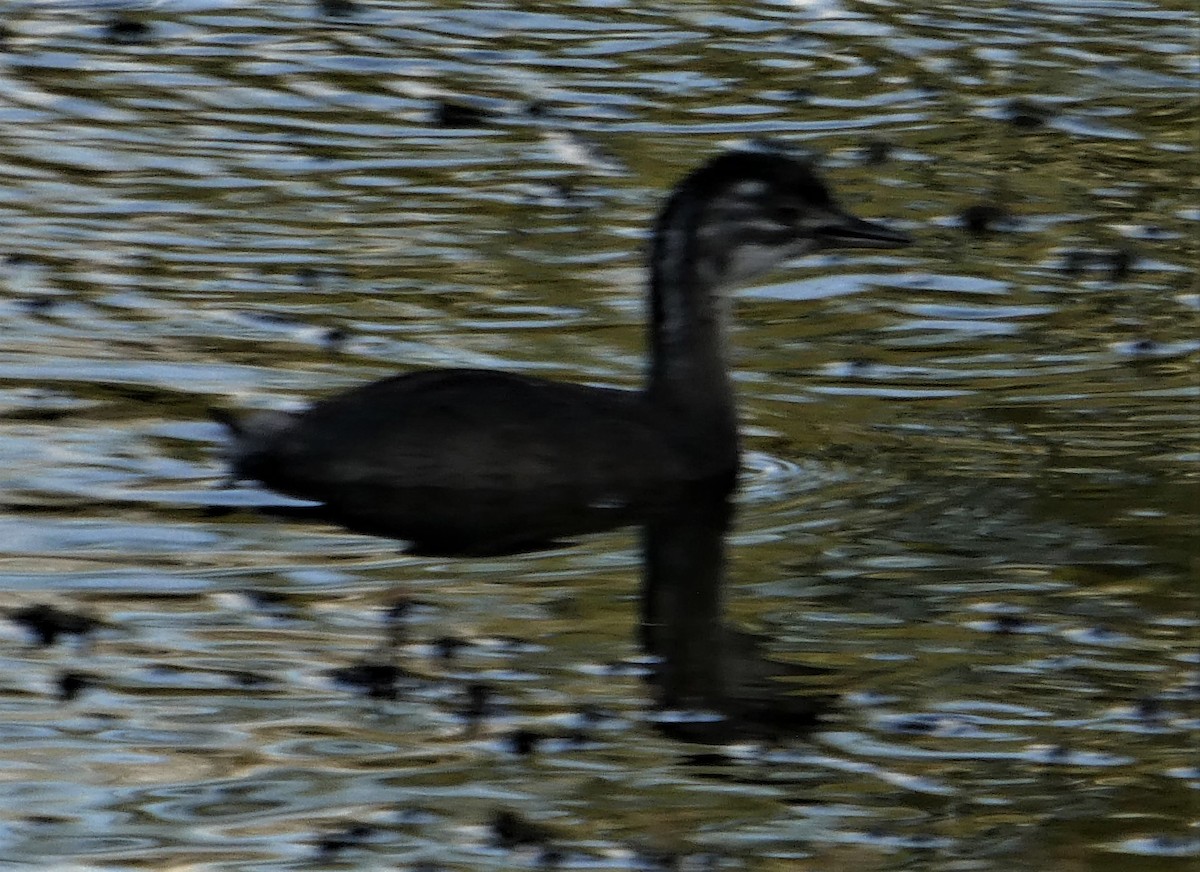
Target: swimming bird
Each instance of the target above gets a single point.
(432, 435)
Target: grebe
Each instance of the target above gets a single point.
(500, 434)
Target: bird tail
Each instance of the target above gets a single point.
(229, 420)
(251, 437)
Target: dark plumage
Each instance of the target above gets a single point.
(441, 440)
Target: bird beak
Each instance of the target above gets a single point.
(842, 230)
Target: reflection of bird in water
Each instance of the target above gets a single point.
(715, 682)
(503, 434)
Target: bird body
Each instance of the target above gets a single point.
(417, 448)
(465, 429)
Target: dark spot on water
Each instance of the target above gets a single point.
(1025, 114)
(39, 305)
(46, 820)
(1116, 263)
(915, 725)
(982, 218)
(351, 837)
(551, 858)
(1120, 262)
(374, 679)
(267, 600)
(447, 647)
(1150, 709)
(47, 623)
(71, 684)
(510, 830)
(248, 679)
(448, 114)
(1101, 635)
(523, 742)
(478, 701)
(334, 339)
(875, 151)
(800, 95)
(1008, 623)
(38, 414)
(538, 109)
(563, 191)
(1054, 754)
(396, 618)
(1076, 261)
(308, 276)
(1140, 346)
(125, 28)
(337, 8)
(578, 738)
(399, 610)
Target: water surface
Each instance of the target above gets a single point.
(969, 507)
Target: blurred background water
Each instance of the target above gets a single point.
(970, 497)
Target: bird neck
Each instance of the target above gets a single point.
(689, 365)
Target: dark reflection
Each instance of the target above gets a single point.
(713, 682)
(1025, 114)
(980, 219)
(703, 664)
(477, 523)
(337, 8)
(71, 684)
(123, 28)
(47, 623)
(451, 114)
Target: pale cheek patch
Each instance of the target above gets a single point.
(751, 259)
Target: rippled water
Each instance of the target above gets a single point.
(970, 504)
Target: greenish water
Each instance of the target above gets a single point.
(969, 509)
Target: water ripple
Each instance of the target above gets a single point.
(965, 512)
